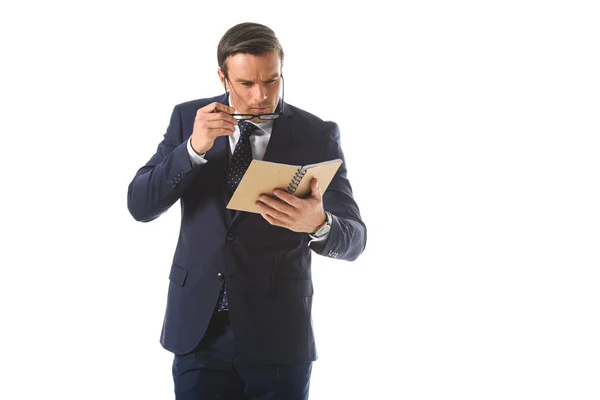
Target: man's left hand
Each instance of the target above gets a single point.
(293, 213)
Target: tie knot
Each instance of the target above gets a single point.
(247, 128)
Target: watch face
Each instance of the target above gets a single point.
(323, 230)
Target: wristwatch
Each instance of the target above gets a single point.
(323, 229)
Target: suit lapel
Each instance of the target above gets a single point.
(219, 155)
(282, 140)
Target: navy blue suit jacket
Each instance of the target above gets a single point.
(267, 268)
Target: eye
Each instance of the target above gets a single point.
(247, 84)
(270, 81)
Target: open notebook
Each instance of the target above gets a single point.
(262, 177)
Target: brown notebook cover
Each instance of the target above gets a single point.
(262, 177)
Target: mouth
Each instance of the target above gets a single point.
(260, 109)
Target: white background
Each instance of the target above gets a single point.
(471, 138)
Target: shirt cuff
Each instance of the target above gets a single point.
(195, 158)
(316, 239)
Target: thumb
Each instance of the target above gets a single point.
(315, 189)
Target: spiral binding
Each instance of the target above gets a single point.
(296, 181)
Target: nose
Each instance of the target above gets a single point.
(260, 92)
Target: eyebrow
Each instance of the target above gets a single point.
(241, 80)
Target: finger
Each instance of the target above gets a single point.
(315, 189)
(265, 208)
(286, 197)
(220, 123)
(220, 116)
(271, 220)
(276, 204)
(217, 107)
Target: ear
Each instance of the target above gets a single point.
(222, 78)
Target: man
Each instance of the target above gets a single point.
(238, 315)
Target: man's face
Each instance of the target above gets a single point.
(253, 82)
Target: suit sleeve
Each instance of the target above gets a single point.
(348, 236)
(162, 181)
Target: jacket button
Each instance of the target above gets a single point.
(230, 237)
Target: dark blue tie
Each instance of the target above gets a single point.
(240, 160)
(242, 156)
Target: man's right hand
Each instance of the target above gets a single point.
(212, 121)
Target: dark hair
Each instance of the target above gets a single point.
(250, 38)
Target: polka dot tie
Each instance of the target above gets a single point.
(242, 156)
(222, 303)
(240, 160)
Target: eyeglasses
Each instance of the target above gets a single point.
(268, 117)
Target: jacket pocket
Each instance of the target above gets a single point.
(178, 275)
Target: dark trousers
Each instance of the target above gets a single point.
(213, 371)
